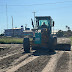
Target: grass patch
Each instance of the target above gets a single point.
(11, 40)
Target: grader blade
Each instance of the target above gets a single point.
(63, 44)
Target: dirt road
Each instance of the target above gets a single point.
(13, 59)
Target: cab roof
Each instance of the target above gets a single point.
(43, 17)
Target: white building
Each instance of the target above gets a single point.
(14, 32)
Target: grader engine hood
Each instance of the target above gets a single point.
(37, 37)
(41, 36)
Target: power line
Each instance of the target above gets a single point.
(12, 21)
(40, 4)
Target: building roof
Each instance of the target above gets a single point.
(43, 17)
(27, 31)
(13, 28)
(16, 28)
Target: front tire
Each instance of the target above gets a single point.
(26, 45)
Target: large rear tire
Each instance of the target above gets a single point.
(26, 45)
(52, 44)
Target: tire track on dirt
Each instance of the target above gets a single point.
(14, 62)
(70, 62)
(63, 63)
(7, 56)
(50, 67)
(23, 60)
(5, 63)
(36, 65)
(10, 48)
(16, 67)
(12, 59)
(11, 53)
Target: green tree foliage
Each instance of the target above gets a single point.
(1, 34)
(60, 33)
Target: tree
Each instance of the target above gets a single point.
(1, 34)
(60, 33)
(68, 28)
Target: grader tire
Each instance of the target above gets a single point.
(52, 44)
(26, 45)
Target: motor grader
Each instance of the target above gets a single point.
(42, 35)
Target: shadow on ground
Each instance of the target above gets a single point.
(41, 51)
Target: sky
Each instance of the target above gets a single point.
(22, 12)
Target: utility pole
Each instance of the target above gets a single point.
(12, 26)
(53, 30)
(25, 26)
(34, 17)
(6, 16)
(12, 21)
